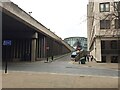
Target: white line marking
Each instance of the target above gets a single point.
(30, 72)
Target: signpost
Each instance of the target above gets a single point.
(47, 48)
(7, 43)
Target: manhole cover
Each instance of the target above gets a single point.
(89, 66)
(82, 76)
(68, 67)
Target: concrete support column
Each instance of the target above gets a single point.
(44, 47)
(33, 50)
(98, 50)
(33, 46)
(1, 45)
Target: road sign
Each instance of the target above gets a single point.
(7, 42)
(47, 48)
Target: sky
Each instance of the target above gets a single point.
(66, 18)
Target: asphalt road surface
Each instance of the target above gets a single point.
(60, 66)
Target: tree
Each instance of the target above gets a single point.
(111, 16)
(114, 15)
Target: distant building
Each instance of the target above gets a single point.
(77, 42)
(103, 30)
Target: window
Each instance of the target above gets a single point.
(117, 25)
(85, 44)
(114, 59)
(113, 44)
(104, 24)
(103, 58)
(102, 44)
(105, 7)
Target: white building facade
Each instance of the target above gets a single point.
(103, 30)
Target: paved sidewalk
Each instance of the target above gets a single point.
(47, 80)
(115, 66)
(51, 80)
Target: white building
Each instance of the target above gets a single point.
(103, 30)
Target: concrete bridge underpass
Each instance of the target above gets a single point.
(24, 38)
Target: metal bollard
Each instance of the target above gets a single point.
(47, 59)
(52, 58)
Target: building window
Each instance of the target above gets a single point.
(104, 24)
(85, 44)
(117, 25)
(114, 59)
(103, 58)
(102, 44)
(105, 7)
(113, 44)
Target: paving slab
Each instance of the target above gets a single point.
(46, 80)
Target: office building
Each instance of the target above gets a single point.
(103, 30)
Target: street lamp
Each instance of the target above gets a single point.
(29, 13)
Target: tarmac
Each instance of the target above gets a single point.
(21, 79)
(16, 79)
(114, 66)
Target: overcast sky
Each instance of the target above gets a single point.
(66, 18)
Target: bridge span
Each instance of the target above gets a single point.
(24, 38)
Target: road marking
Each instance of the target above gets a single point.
(81, 75)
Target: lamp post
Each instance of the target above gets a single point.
(29, 13)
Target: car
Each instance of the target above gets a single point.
(73, 55)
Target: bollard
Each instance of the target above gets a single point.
(6, 66)
(47, 59)
(52, 58)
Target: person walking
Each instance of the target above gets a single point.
(88, 58)
(92, 58)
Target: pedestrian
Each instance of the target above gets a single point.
(88, 58)
(92, 58)
(51, 58)
(27, 56)
(79, 61)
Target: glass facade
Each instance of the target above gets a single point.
(74, 41)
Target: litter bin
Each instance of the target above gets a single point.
(82, 60)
